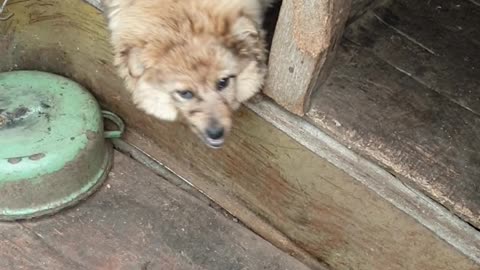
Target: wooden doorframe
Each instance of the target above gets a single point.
(303, 49)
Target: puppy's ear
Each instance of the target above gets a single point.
(244, 29)
(129, 61)
(249, 43)
(246, 38)
(154, 100)
(134, 62)
(249, 82)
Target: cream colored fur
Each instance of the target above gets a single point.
(164, 48)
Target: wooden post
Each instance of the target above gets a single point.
(303, 48)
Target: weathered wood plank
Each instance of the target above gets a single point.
(324, 210)
(137, 220)
(416, 81)
(435, 42)
(359, 7)
(303, 46)
(262, 173)
(412, 130)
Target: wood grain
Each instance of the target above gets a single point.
(137, 220)
(359, 7)
(261, 174)
(437, 43)
(303, 46)
(405, 92)
(412, 130)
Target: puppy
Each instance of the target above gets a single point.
(195, 60)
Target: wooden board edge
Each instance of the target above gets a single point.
(128, 146)
(95, 3)
(427, 212)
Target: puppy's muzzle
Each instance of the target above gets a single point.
(215, 134)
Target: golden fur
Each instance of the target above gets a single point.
(195, 60)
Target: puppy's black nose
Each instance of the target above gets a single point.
(215, 132)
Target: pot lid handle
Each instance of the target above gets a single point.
(117, 121)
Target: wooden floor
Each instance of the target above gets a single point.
(405, 92)
(137, 221)
(266, 178)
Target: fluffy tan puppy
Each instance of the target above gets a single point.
(195, 60)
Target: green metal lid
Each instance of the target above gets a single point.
(52, 148)
(40, 114)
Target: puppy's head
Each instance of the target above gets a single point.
(201, 79)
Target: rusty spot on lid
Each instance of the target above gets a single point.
(14, 160)
(3, 120)
(91, 135)
(20, 112)
(37, 156)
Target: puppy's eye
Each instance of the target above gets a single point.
(223, 83)
(185, 94)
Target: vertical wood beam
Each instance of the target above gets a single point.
(303, 49)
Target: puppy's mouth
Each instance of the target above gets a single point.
(214, 143)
